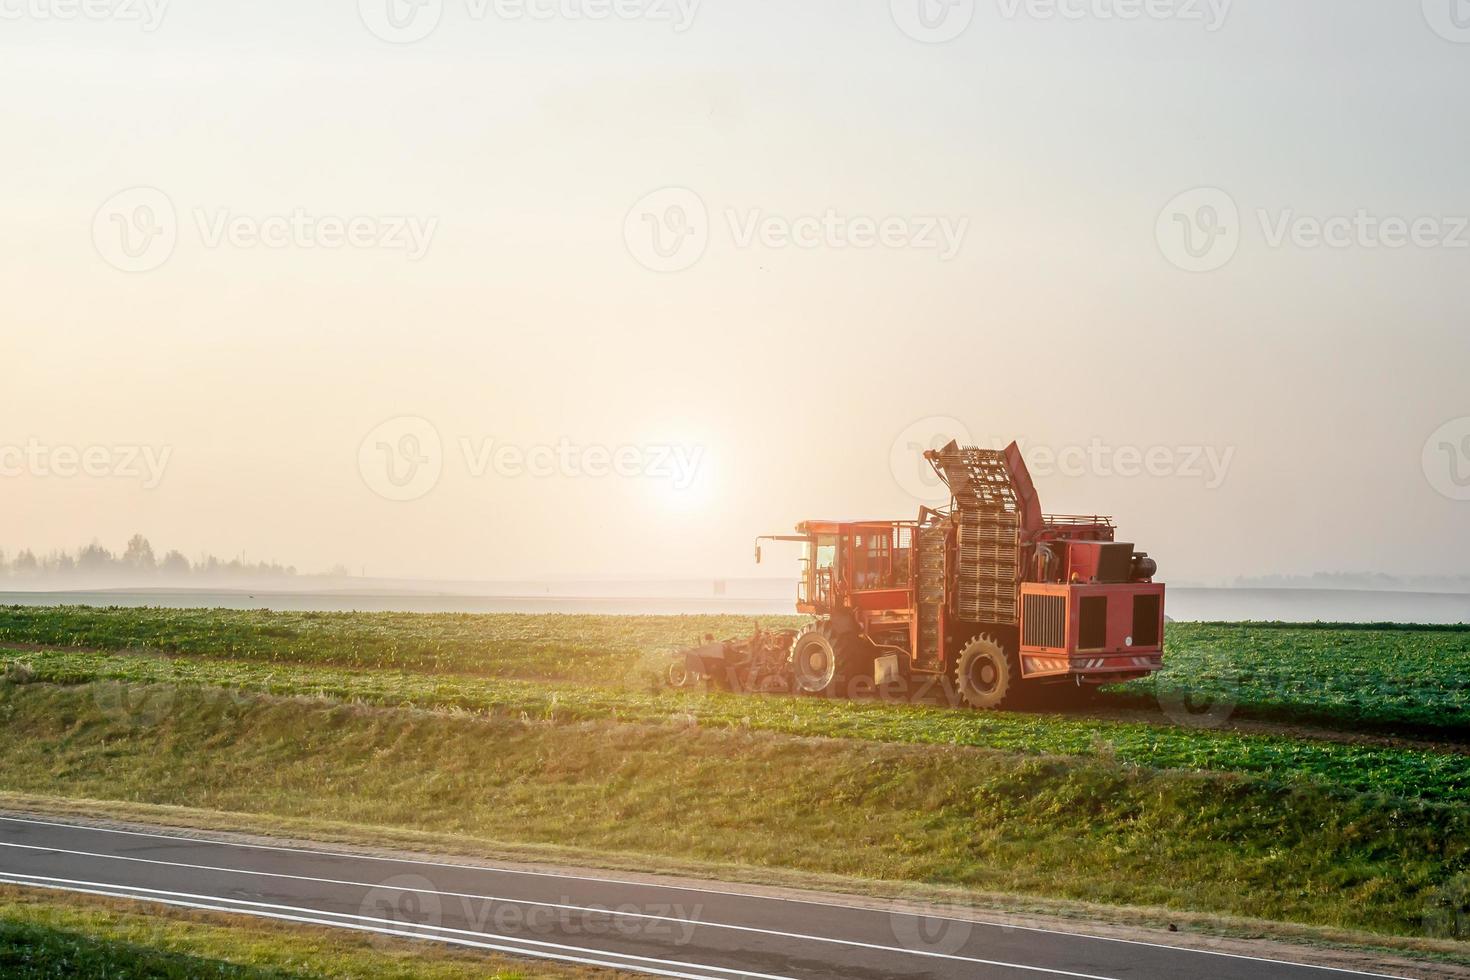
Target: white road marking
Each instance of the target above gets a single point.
(100, 889)
(551, 905)
(693, 888)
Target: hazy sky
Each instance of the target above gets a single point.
(299, 263)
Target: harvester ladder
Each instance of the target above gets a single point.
(988, 533)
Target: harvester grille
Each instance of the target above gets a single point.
(988, 534)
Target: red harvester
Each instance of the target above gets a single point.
(988, 593)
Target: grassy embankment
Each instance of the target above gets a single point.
(1086, 829)
(1270, 827)
(137, 688)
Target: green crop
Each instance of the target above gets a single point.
(1384, 677)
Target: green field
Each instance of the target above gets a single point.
(550, 732)
(1352, 677)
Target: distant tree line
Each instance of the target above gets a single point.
(137, 560)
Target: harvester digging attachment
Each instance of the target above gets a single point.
(758, 664)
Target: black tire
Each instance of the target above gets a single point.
(822, 660)
(985, 676)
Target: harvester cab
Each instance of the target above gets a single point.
(987, 595)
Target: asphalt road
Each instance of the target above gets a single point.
(669, 929)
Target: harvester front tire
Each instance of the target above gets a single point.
(822, 660)
(984, 675)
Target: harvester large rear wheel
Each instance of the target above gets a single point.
(823, 659)
(984, 675)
